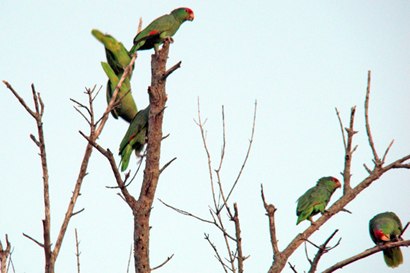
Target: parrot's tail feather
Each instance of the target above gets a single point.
(393, 257)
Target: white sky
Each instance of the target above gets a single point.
(299, 60)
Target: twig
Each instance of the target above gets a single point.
(292, 267)
(217, 256)
(183, 212)
(34, 240)
(166, 165)
(208, 155)
(349, 152)
(387, 151)
(21, 100)
(367, 122)
(172, 69)
(341, 127)
(247, 152)
(129, 260)
(166, 261)
(365, 254)
(77, 250)
(322, 250)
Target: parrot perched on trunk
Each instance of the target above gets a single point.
(386, 227)
(160, 29)
(316, 198)
(118, 59)
(135, 137)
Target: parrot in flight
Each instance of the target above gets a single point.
(117, 60)
(316, 198)
(135, 138)
(162, 28)
(386, 227)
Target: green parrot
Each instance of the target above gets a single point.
(316, 198)
(160, 29)
(386, 227)
(118, 59)
(117, 55)
(126, 108)
(135, 137)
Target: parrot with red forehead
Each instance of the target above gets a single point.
(160, 29)
(316, 198)
(386, 227)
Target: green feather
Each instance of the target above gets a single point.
(316, 198)
(127, 108)
(386, 227)
(161, 28)
(118, 59)
(135, 137)
(117, 55)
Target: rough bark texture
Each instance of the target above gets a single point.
(142, 208)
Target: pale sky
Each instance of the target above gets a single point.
(299, 60)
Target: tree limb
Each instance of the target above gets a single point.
(365, 254)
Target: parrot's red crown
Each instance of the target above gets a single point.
(190, 13)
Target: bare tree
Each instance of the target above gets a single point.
(96, 127)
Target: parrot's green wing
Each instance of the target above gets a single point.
(117, 55)
(387, 227)
(161, 28)
(126, 108)
(316, 198)
(135, 137)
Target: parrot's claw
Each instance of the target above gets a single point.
(169, 39)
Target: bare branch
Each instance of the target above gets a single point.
(161, 265)
(21, 100)
(183, 212)
(365, 254)
(387, 151)
(240, 256)
(201, 129)
(341, 127)
(172, 69)
(34, 240)
(129, 260)
(367, 122)
(77, 250)
(292, 267)
(5, 254)
(247, 153)
(217, 256)
(166, 165)
(322, 250)
(270, 212)
(349, 152)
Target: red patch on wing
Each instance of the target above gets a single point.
(153, 32)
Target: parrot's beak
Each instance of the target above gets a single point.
(384, 238)
(191, 17)
(338, 185)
